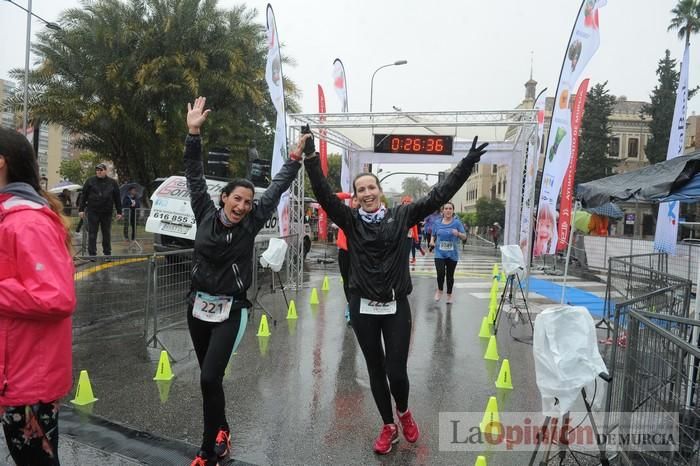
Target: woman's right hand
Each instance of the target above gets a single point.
(196, 115)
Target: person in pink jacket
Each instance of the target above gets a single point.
(37, 299)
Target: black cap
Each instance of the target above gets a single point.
(101, 166)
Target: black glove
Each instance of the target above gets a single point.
(309, 146)
(475, 153)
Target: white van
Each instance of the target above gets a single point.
(172, 221)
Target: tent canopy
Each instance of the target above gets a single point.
(653, 183)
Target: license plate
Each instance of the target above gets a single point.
(174, 228)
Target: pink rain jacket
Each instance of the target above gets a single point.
(37, 299)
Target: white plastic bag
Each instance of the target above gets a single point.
(512, 260)
(273, 256)
(566, 356)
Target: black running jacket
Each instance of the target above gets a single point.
(378, 258)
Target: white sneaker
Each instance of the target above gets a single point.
(449, 299)
(438, 295)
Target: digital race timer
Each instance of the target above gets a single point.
(413, 144)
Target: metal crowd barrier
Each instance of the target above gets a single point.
(142, 295)
(659, 378)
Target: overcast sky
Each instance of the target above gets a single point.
(462, 55)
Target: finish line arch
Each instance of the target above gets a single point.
(508, 132)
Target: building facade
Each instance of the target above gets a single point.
(55, 143)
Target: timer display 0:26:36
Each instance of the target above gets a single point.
(410, 144)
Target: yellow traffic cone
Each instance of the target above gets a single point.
(480, 461)
(326, 286)
(164, 372)
(314, 296)
(83, 394)
(263, 329)
(164, 390)
(493, 308)
(490, 423)
(262, 344)
(494, 287)
(292, 311)
(485, 331)
(494, 271)
(504, 381)
(492, 350)
(502, 278)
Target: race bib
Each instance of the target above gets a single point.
(367, 306)
(447, 245)
(211, 308)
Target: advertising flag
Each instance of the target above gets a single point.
(582, 45)
(567, 190)
(667, 222)
(323, 154)
(532, 163)
(275, 85)
(341, 90)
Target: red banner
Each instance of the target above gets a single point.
(323, 154)
(567, 189)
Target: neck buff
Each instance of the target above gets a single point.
(372, 217)
(224, 219)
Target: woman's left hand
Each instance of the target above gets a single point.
(455, 232)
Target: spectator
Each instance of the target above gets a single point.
(100, 194)
(64, 197)
(37, 299)
(130, 203)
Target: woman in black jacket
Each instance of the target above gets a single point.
(221, 274)
(380, 282)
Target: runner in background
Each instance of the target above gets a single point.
(447, 235)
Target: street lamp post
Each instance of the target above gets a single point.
(371, 90)
(50, 25)
(371, 86)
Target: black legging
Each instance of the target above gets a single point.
(213, 344)
(442, 266)
(130, 219)
(344, 266)
(395, 329)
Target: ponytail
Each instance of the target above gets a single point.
(57, 208)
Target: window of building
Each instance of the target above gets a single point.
(614, 150)
(633, 147)
(494, 169)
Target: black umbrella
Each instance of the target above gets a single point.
(124, 189)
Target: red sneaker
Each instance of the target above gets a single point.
(223, 443)
(200, 460)
(409, 427)
(413, 261)
(387, 437)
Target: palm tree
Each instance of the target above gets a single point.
(686, 19)
(120, 72)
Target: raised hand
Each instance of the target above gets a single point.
(297, 153)
(475, 152)
(196, 115)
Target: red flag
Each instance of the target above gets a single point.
(323, 149)
(567, 189)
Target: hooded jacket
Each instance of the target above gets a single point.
(379, 259)
(37, 300)
(223, 255)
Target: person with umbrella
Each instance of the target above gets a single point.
(130, 202)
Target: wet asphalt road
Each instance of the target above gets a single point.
(300, 396)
